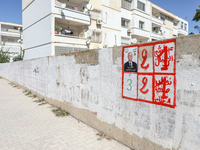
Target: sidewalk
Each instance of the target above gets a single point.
(24, 125)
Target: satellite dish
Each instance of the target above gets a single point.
(134, 40)
(88, 41)
(63, 5)
(89, 7)
(89, 33)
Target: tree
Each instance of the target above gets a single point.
(4, 55)
(197, 15)
(191, 33)
(197, 18)
(197, 27)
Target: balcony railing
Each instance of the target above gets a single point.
(66, 39)
(10, 30)
(77, 17)
(9, 43)
(157, 19)
(140, 32)
(157, 32)
(71, 36)
(70, 6)
(71, 33)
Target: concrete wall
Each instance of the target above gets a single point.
(89, 85)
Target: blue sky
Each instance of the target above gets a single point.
(11, 10)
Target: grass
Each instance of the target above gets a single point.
(41, 101)
(1, 78)
(25, 91)
(28, 93)
(59, 112)
(102, 135)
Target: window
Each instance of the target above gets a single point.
(141, 6)
(162, 18)
(126, 4)
(125, 22)
(141, 25)
(185, 26)
(96, 37)
(181, 25)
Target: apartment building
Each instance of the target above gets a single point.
(54, 27)
(11, 38)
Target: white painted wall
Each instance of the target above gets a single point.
(112, 37)
(147, 22)
(125, 14)
(113, 18)
(97, 88)
(105, 2)
(124, 32)
(37, 29)
(41, 51)
(36, 11)
(111, 26)
(25, 3)
(38, 34)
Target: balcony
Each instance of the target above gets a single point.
(10, 43)
(69, 33)
(140, 32)
(72, 40)
(10, 32)
(156, 20)
(12, 47)
(72, 12)
(141, 35)
(157, 35)
(181, 32)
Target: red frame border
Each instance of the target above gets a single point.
(148, 73)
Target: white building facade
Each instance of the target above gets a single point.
(55, 27)
(10, 38)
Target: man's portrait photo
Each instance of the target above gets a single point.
(130, 65)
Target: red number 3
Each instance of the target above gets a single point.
(144, 81)
(144, 56)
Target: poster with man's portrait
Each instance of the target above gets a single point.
(130, 59)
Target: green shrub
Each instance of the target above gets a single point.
(4, 55)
